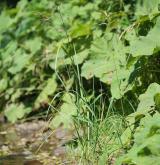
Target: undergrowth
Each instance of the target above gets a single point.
(96, 63)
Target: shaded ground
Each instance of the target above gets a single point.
(32, 143)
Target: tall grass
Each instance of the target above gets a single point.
(97, 124)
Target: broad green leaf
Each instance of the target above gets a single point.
(20, 60)
(34, 45)
(79, 30)
(49, 90)
(106, 55)
(127, 135)
(5, 21)
(147, 7)
(52, 33)
(107, 61)
(78, 58)
(146, 104)
(147, 99)
(149, 126)
(65, 114)
(14, 112)
(120, 82)
(146, 45)
(16, 95)
(9, 51)
(58, 59)
(3, 84)
(146, 146)
(25, 26)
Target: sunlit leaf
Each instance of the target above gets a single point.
(14, 112)
(48, 90)
(147, 45)
(20, 60)
(34, 44)
(65, 114)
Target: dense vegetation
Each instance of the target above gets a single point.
(95, 63)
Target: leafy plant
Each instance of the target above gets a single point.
(91, 60)
(146, 147)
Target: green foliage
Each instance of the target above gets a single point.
(66, 112)
(150, 42)
(146, 7)
(147, 101)
(15, 111)
(51, 47)
(48, 90)
(144, 137)
(146, 147)
(32, 38)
